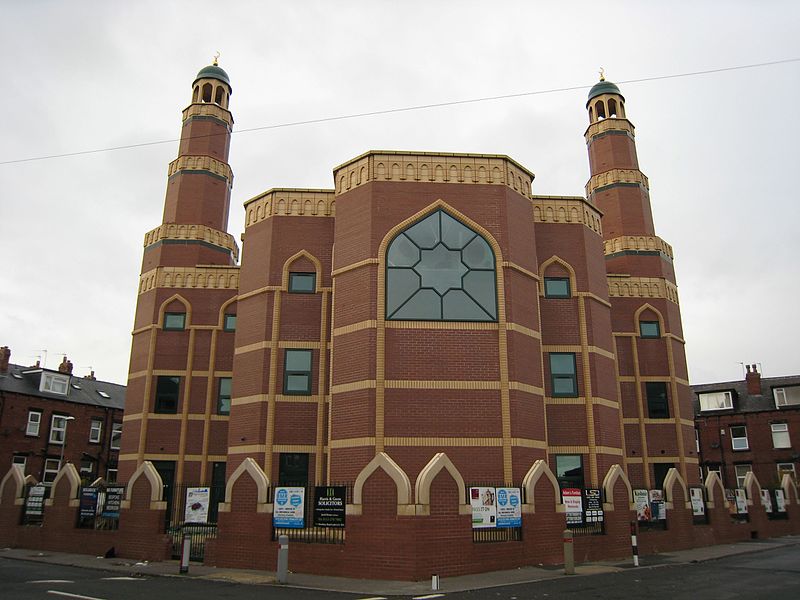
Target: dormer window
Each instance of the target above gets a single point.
(55, 383)
(786, 396)
(716, 401)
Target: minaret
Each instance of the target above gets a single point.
(648, 336)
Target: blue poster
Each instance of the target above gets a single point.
(509, 507)
(288, 510)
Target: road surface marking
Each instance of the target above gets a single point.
(374, 598)
(56, 593)
(428, 596)
(51, 581)
(123, 578)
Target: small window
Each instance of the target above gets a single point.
(87, 468)
(111, 475)
(20, 460)
(780, 435)
(569, 470)
(741, 472)
(783, 469)
(229, 324)
(739, 438)
(563, 374)
(556, 287)
(34, 422)
(174, 321)
(51, 468)
(116, 435)
(58, 428)
(649, 329)
(660, 471)
(167, 390)
(95, 431)
(224, 396)
(293, 469)
(657, 400)
(55, 383)
(786, 396)
(103, 394)
(302, 283)
(297, 372)
(715, 401)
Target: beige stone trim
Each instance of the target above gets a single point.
(256, 473)
(148, 471)
(255, 398)
(595, 297)
(577, 349)
(616, 176)
(566, 209)
(202, 233)
(609, 450)
(249, 449)
(525, 387)
(538, 470)
(429, 167)
(610, 481)
(218, 277)
(307, 448)
(174, 417)
(281, 344)
(668, 421)
(392, 469)
(365, 384)
(428, 442)
(289, 202)
(625, 286)
(436, 384)
(568, 449)
(609, 124)
(520, 269)
(265, 345)
(70, 473)
(582, 401)
(262, 290)
(422, 489)
(524, 330)
(638, 243)
(208, 109)
(453, 325)
(345, 329)
(201, 163)
(646, 378)
(634, 460)
(356, 265)
(352, 443)
(606, 402)
(528, 443)
(316, 399)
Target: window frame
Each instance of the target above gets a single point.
(656, 403)
(739, 437)
(53, 437)
(650, 335)
(707, 396)
(549, 294)
(172, 327)
(109, 477)
(116, 436)
(294, 276)
(37, 423)
(287, 373)
(782, 428)
(226, 322)
(159, 396)
(221, 397)
(15, 460)
(741, 475)
(569, 481)
(793, 470)
(96, 431)
(46, 480)
(54, 383)
(554, 376)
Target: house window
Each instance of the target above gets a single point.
(302, 283)
(51, 467)
(95, 431)
(167, 390)
(739, 438)
(20, 460)
(229, 324)
(87, 467)
(649, 329)
(55, 383)
(297, 372)
(783, 468)
(224, 396)
(657, 401)
(34, 422)
(111, 475)
(569, 470)
(563, 374)
(174, 321)
(715, 401)
(58, 428)
(780, 435)
(786, 396)
(716, 469)
(440, 270)
(741, 472)
(116, 435)
(556, 287)
(660, 471)
(293, 468)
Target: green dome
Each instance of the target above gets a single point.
(603, 87)
(214, 72)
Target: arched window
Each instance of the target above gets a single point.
(220, 95)
(440, 270)
(612, 108)
(196, 94)
(207, 88)
(601, 109)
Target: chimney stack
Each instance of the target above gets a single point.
(753, 379)
(65, 366)
(90, 376)
(5, 356)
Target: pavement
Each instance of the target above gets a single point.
(371, 587)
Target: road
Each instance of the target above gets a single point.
(771, 574)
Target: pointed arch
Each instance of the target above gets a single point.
(787, 485)
(672, 478)
(610, 482)
(70, 473)
(422, 487)
(148, 471)
(557, 260)
(293, 258)
(14, 479)
(752, 487)
(258, 476)
(637, 317)
(392, 469)
(223, 311)
(539, 469)
(186, 305)
(712, 481)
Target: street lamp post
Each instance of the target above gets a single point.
(64, 441)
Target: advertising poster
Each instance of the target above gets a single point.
(657, 508)
(593, 505)
(698, 505)
(34, 503)
(642, 503)
(509, 507)
(484, 507)
(88, 503)
(197, 499)
(766, 500)
(329, 506)
(113, 502)
(780, 501)
(573, 505)
(741, 501)
(730, 497)
(289, 508)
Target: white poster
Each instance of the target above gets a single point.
(698, 506)
(509, 507)
(197, 499)
(766, 500)
(780, 501)
(573, 505)
(741, 501)
(289, 507)
(484, 507)
(642, 504)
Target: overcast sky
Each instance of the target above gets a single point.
(720, 149)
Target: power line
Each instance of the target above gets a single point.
(389, 111)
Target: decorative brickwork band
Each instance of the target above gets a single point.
(608, 125)
(200, 233)
(613, 176)
(206, 109)
(289, 202)
(491, 169)
(221, 278)
(639, 243)
(201, 163)
(566, 209)
(624, 286)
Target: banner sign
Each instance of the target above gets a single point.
(197, 499)
(289, 507)
(483, 501)
(113, 502)
(730, 498)
(780, 501)
(642, 504)
(658, 510)
(698, 505)
(593, 505)
(329, 506)
(766, 500)
(34, 503)
(741, 501)
(573, 505)
(509, 507)
(88, 502)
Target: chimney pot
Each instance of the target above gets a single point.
(753, 379)
(5, 357)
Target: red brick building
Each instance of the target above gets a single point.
(49, 418)
(749, 426)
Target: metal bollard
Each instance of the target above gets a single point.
(634, 544)
(283, 558)
(186, 552)
(569, 553)
(434, 583)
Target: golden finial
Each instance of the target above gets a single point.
(602, 73)
(216, 59)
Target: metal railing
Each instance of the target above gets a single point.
(309, 533)
(202, 508)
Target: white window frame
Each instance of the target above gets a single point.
(96, 431)
(718, 471)
(55, 383)
(20, 460)
(710, 401)
(736, 441)
(46, 476)
(780, 435)
(83, 469)
(109, 477)
(781, 399)
(55, 429)
(741, 473)
(783, 468)
(34, 425)
(116, 435)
